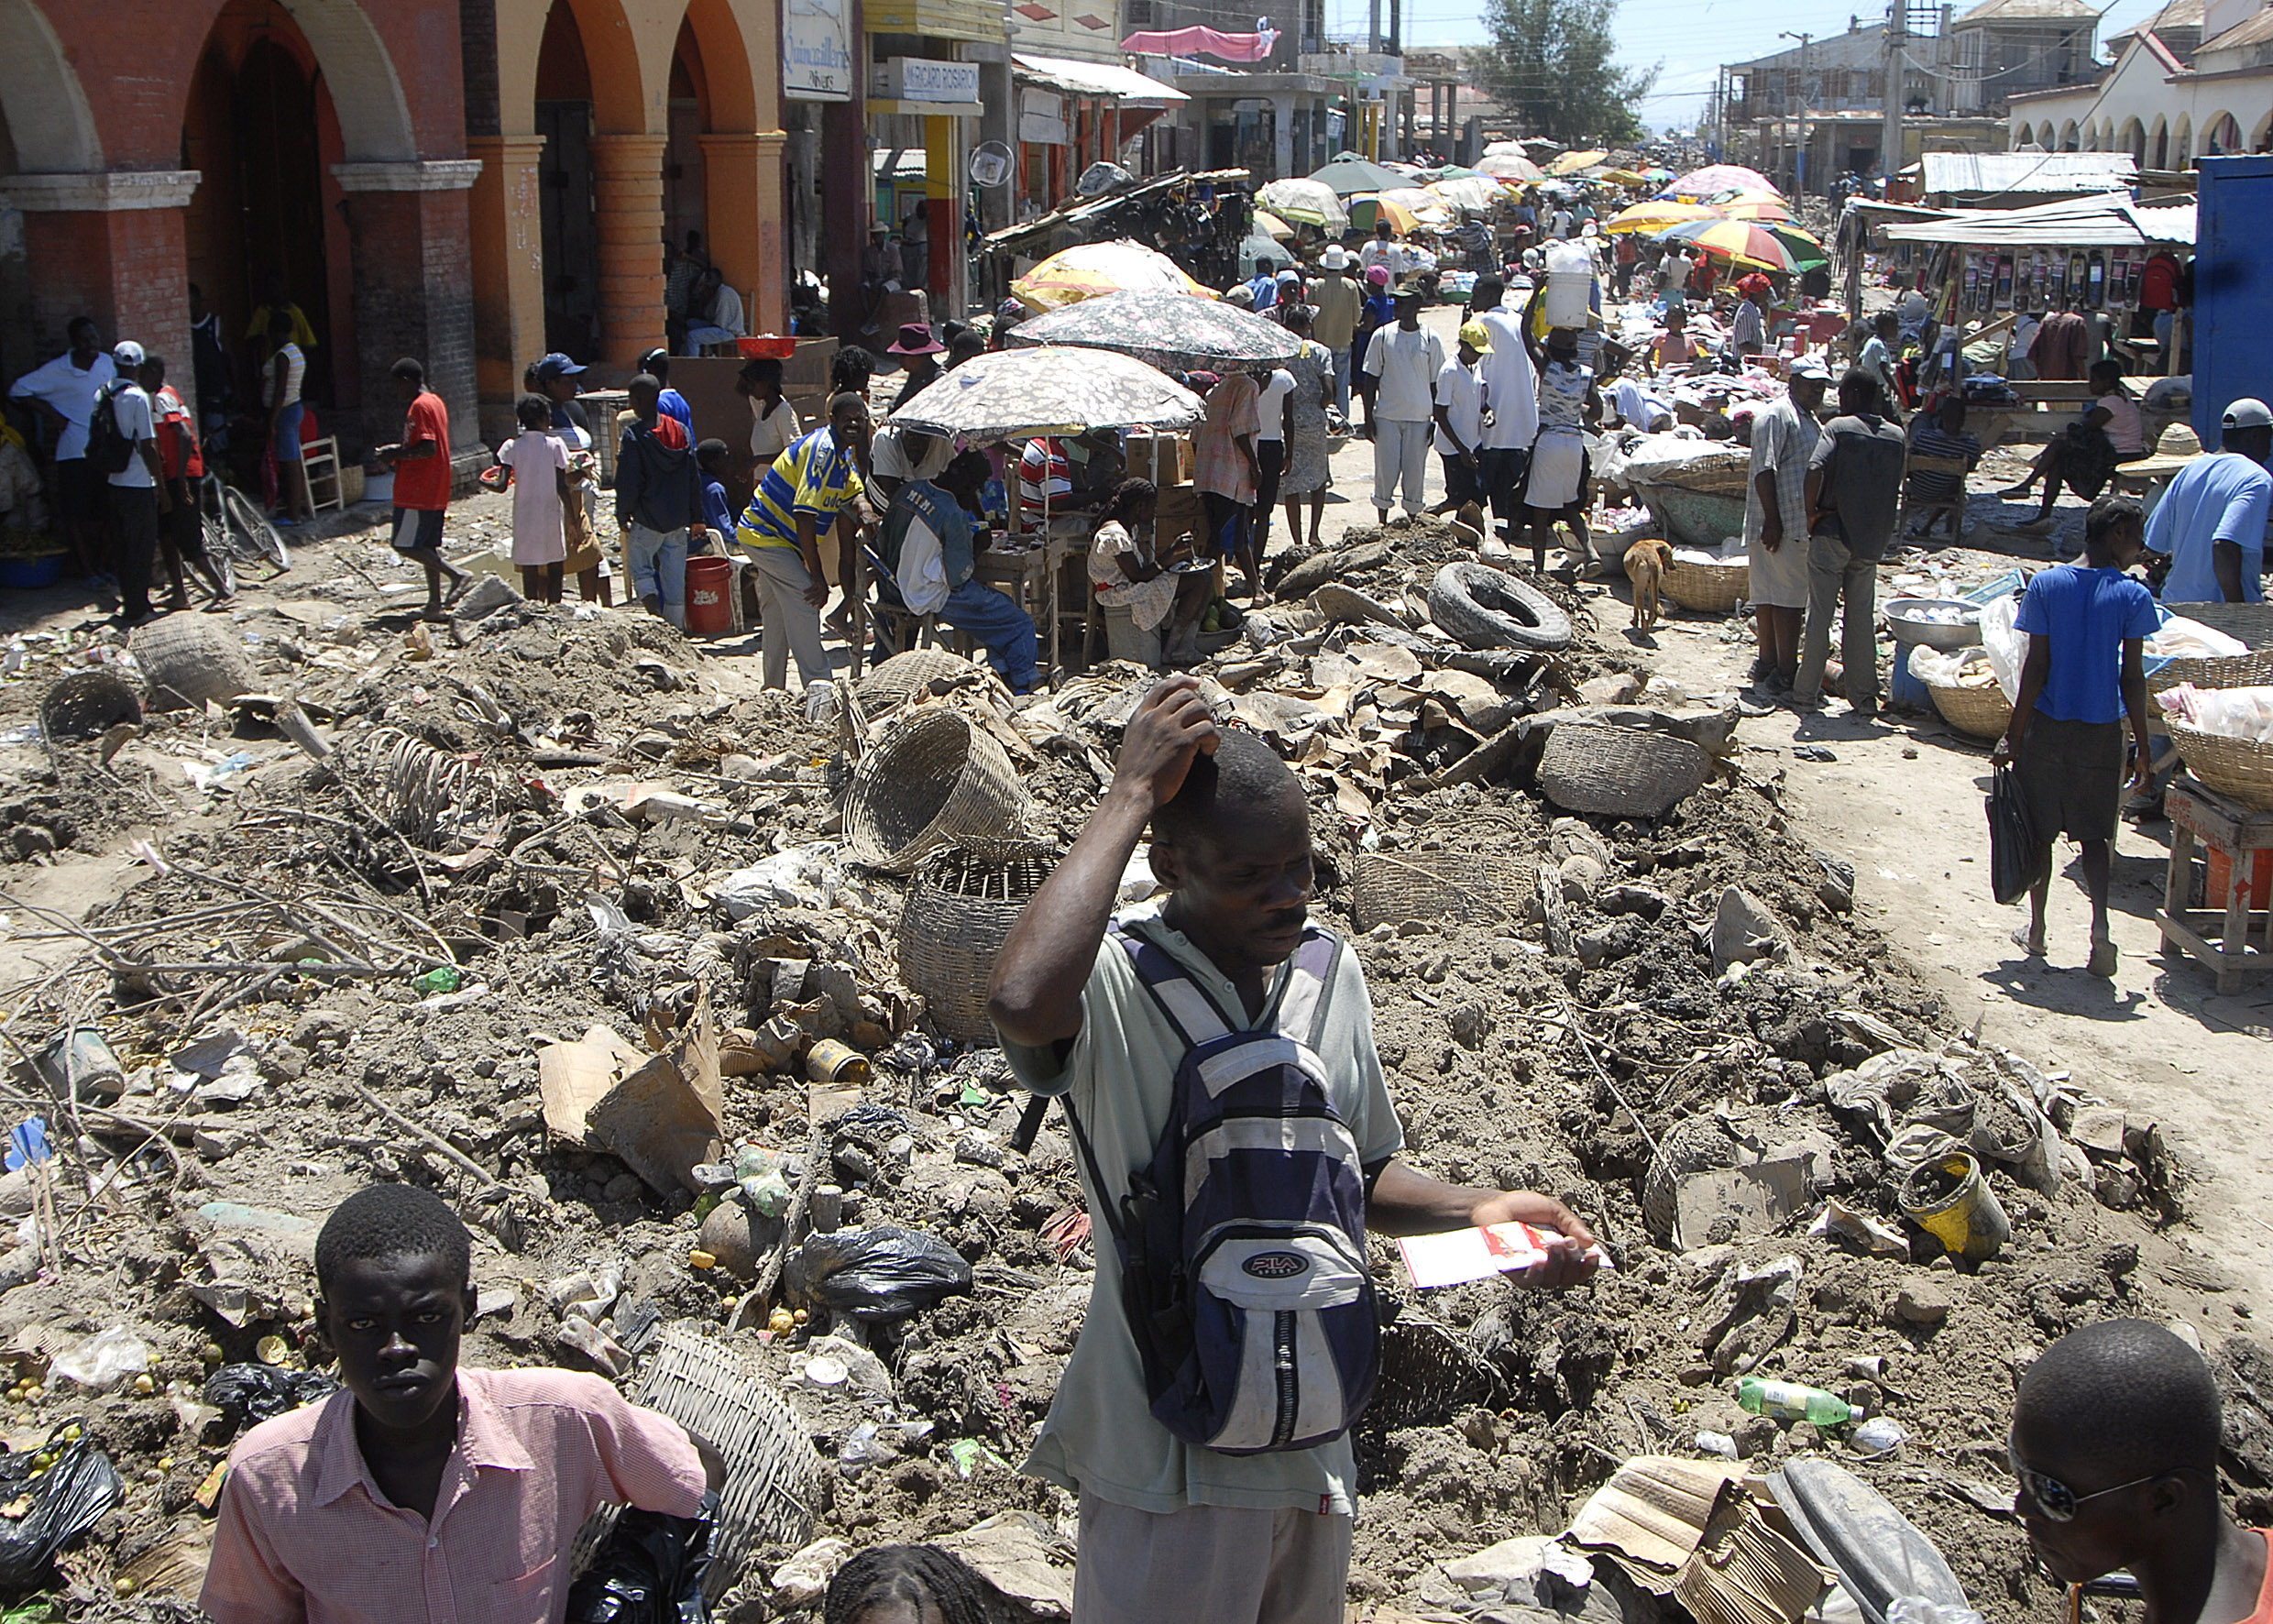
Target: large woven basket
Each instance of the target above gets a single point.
(1619, 772)
(1708, 588)
(87, 703)
(2239, 768)
(1725, 475)
(1391, 887)
(1693, 1145)
(961, 904)
(935, 776)
(2251, 670)
(903, 676)
(773, 1487)
(189, 660)
(1983, 712)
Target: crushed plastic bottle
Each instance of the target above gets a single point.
(1877, 1435)
(446, 979)
(1791, 1400)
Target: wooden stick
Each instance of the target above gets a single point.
(770, 1274)
(434, 1140)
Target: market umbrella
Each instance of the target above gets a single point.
(1509, 166)
(1305, 202)
(1422, 205)
(1257, 246)
(1737, 241)
(1748, 205)
(1087, 270)
(1170, 331)
(1477, 194)
(1271, 225)
(1570, 163)
(1715, 178)
(1657, 216)
(1453, 171)
(1622, 177)
(1804, 249)
(1349, 176)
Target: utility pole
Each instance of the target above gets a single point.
(1897, 72)
(1799, 153)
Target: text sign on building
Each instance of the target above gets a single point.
(817, 51)
(925, 79)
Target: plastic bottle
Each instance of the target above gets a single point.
(444, 980)
(1791, 1400)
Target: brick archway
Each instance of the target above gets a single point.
(46, 107)
(367, 91)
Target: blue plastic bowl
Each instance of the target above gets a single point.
(43, 570)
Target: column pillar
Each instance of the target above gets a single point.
(627, 187)
(413, 290)
(742, 194)
(1282, 136)
(508, 231)
(943, 187)
(111, 245)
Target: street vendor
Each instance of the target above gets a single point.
(930, 559)
(1076, 473)
(1165, 604)
(1569, 404)
(1103, 1011)
(1750, 335)
(1674, 347)
(2082, 457)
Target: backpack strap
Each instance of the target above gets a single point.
(1188, 1010)
(1310, 987)
(1107, 1199)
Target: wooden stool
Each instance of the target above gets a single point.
(2237, 834)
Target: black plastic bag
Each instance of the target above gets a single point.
(78, 1486)
(883, 1273)
(2015, 861)
(248, 1394)
(649, 1571)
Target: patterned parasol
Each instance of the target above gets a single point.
(1305, 202)
(1715, 178)
(1169, 331)
(1087, 270)
(1052, 389)
(1657, 216)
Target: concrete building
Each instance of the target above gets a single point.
(2002, 49)
(469, 182)
(2194, 81)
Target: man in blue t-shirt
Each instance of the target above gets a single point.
(2211, 521)
(2086, 627)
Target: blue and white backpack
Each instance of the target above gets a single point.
(1242, 1245)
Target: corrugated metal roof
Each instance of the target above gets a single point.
(2018, 173)
(2021, 11)
(1094, 79)
(2108, 222)
(2256, 30)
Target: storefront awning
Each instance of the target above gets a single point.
(1096, 78)
(2099, 222)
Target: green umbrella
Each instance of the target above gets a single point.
(1349, 176)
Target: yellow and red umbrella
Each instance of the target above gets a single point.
(1658, 216)
(1754, 205)
(1264, 221)
(1088, 269)
(1739, 242)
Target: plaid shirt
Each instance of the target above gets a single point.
(305, 1536)
(1784, 438)
(1216, 465)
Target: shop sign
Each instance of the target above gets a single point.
(925, 78)
(817, 51)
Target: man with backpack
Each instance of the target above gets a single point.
(121, 443)
(1214, 1054)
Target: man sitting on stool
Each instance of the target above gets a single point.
(927, 547)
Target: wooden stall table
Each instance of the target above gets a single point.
(2243, 935)
(1022, 566)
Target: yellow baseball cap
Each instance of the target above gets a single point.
(1475, 336)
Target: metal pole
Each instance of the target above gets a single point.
(1890, 141)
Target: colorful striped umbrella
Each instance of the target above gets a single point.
(1737, 241)
(1264, 221)
(1087, 270)
(1753, 206)
(1804, 249)
(1658, 216)
(1715, 179)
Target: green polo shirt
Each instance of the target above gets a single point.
(1101, 1437)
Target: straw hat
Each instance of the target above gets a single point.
(2174, 448)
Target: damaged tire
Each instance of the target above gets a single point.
(1490, 608)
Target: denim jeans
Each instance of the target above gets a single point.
(656, 562)
(1005, 631)
(1342, 379)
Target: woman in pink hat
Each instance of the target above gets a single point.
(918, 353)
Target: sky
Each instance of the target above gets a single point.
(1690, 38)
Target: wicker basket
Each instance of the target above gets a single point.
(189, 660)
(1619, 772)
(2239, 768)
(1726, 475)
(87, 703)
(1707, 589)
(1429, 1373)
(903, 676)
(960, 906)
(774, 1485)
(935, 776)
(1983, 712)
(1391, 887)
(2251, 670)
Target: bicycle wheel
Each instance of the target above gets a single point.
(219, 551)
(252, 536)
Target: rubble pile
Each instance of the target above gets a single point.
(556, 914)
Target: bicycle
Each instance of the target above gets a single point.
(236, 531)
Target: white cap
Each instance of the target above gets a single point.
(126, 353)
(2248, 413)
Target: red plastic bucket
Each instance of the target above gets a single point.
(709, 581)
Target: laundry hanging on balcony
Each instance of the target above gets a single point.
(1195, 41)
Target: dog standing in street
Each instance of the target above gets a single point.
(1646, 564)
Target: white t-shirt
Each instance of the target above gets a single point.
(1271, 403)
(1509, 383)
(1460, 391)
(887, 457)
(772, 434)
(1675, 272)
(1406, 364)
(1393, 255)
(1635, 404)
(70, 392)
(131, 407)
